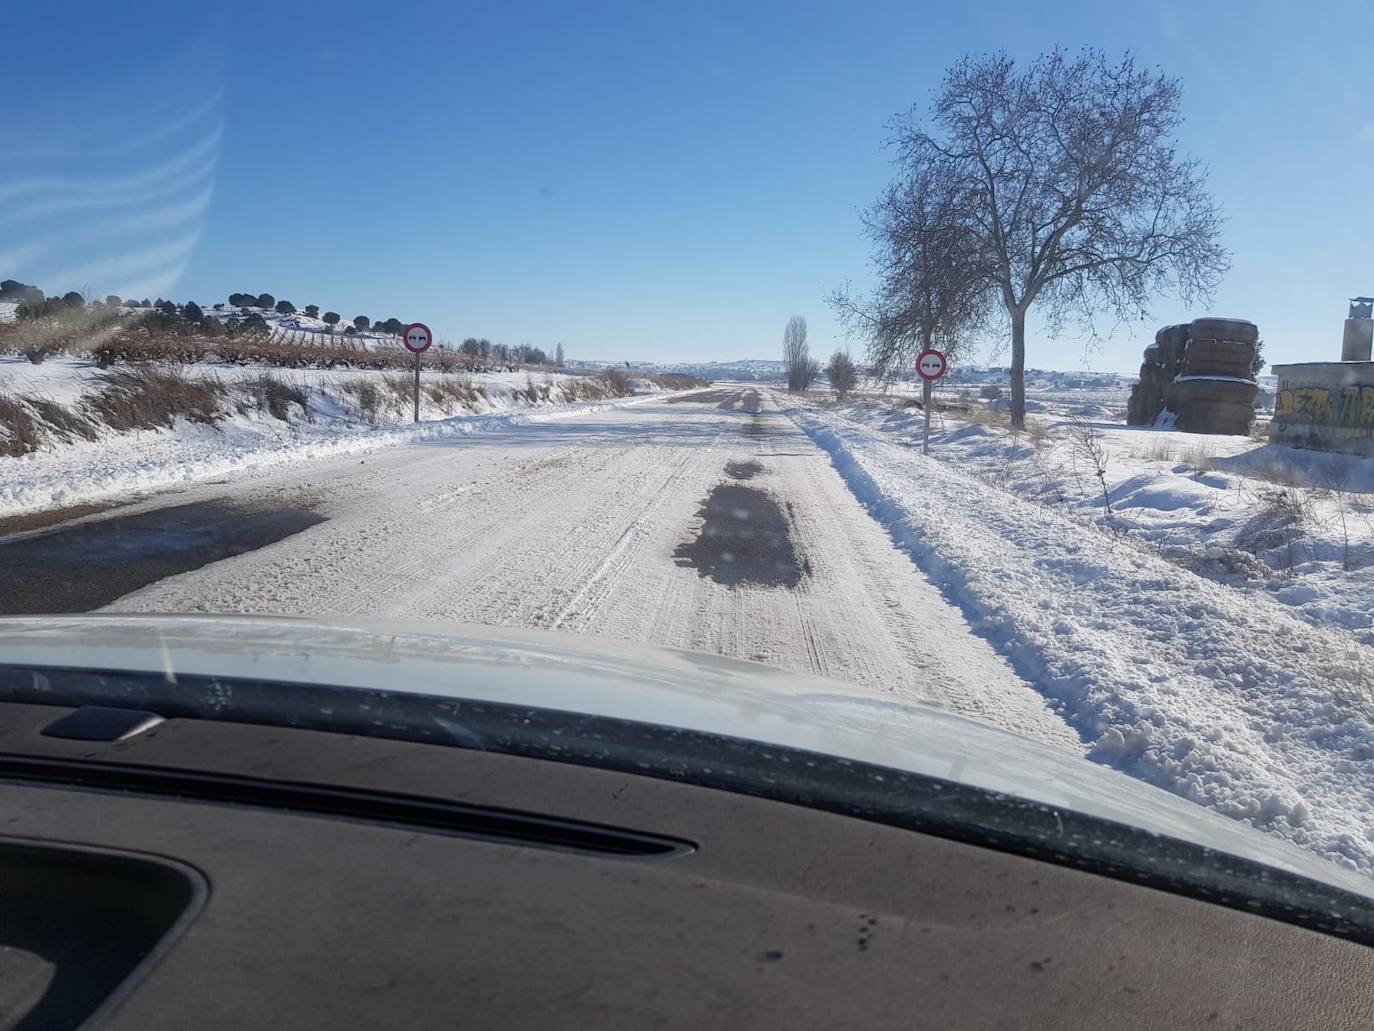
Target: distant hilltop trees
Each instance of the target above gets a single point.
(361, 323)
(13, 290)
(266, 315)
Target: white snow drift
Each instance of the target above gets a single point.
(1226, 698)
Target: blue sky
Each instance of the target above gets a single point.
(636, 180)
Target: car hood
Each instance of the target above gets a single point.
(630, 681)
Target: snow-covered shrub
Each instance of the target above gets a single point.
(151, 398)
(275, 397)
(18, 428)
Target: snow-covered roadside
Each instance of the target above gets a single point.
(123, 464)
(1295, 526)
(1226, 699)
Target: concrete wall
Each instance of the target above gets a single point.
(1325, 405)
(1357, 343)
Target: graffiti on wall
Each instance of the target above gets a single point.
(1344, 410)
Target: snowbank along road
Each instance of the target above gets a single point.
(706, 521)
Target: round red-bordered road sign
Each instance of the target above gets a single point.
(931, 364)
(417, 337)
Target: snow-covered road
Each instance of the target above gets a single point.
(708, 522)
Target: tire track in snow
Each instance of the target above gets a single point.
(604, 579)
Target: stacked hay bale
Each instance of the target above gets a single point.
(1201, 372)
(1215, 389)
(1156, 373)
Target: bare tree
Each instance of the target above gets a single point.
(843, 375)
(932, 291)
(1067, 177)
(801, 368)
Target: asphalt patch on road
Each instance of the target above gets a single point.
(88, 565)
(744, 538)
(743, 470)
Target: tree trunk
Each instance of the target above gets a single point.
(1018, 368)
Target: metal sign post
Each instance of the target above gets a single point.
(417, 386)
(925, 403)
(417, 339)
(930, 366)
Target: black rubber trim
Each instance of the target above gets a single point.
(879, 794)
(488, 824)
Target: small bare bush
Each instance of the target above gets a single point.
(1161, 449)
(977, 416)
(275, 397)
(586, 388)
(63, 422)
(400, 389)
(1285, 510)
(1034, 430)
(1086, 443)
(367, 395)
(466, 391)
(450, 392)
(1340, 480)
(532, 392)
(19, 434)
(38, 354)
(149, 398)
(1201, 457)
(25, 422)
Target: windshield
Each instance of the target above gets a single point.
(1011, 363)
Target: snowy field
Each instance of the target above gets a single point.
(1295, 526)
(1173, 633)
(336, 420)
